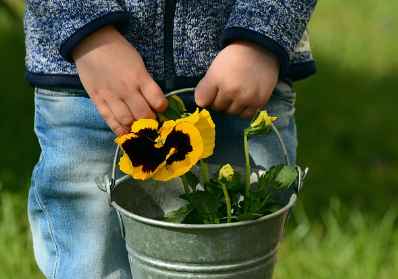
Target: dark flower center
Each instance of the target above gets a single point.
(182, 142)
(142, 150)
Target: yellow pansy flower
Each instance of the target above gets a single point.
(168, 152)
(142, 157)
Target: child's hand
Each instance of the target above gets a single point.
(240, 80)
(114, 75)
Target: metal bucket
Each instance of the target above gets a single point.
(159, 249)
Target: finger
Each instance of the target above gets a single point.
(222, 101)
(139, 107)
(248, 112)
(205, 92)
(122, 113)
(235, 108)
(111, 120)
(154, 96)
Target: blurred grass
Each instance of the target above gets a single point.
(345, 223)
(345, 114)
(16, 258)
(346, 244)
(20, 148)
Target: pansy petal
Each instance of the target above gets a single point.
(193, 118)
(207, 131)
(125, 164)
(122, 138)
(136, 172)
(202, 120)
(166, 128)
(144, 124)
(189, 144)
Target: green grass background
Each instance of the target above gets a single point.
(345, 223)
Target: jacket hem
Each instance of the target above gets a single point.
(53, 80)
(300, 71)
(73, 81)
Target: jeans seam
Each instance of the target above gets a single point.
(63, 93)
(42, 207)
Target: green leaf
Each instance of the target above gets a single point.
(248, 216)
(285, 176)
(202, 218)
(217, 173)
(214, 188)
(204, 202)
(185, 196)
(281, 176)
(264, 180)
(260, 130)
(257, 194)
(178, 216)
(236, 182)
(175, 105)
(270, 206)
(193, 180)
(171, 114)
(211, 218)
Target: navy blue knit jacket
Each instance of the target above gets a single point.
(177, 39)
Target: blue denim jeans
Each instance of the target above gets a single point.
(75, 233)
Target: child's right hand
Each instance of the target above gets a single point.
(114, 75)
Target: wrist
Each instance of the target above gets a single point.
(106, 35)
(256, 49)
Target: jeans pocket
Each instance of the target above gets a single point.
(284, 91)
(47, 93)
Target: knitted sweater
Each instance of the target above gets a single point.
(178, 40)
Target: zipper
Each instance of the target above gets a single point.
(169, 71)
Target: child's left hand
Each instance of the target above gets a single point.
(240, 80)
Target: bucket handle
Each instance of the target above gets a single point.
(110, 184)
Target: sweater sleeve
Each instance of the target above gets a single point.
(277, 25)
(67, 23)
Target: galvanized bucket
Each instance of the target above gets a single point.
(162, 250)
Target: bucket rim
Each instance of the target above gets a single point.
(159, 223)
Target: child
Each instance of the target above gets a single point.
(98, 66)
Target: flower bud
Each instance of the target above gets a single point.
(263, 116)
(226, 172)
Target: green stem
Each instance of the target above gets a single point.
(266, 198)
(247, 189)
(205, 170)
(228, 202)
(185, 183)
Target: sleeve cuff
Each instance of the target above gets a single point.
(119, 19)
(234, 33)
